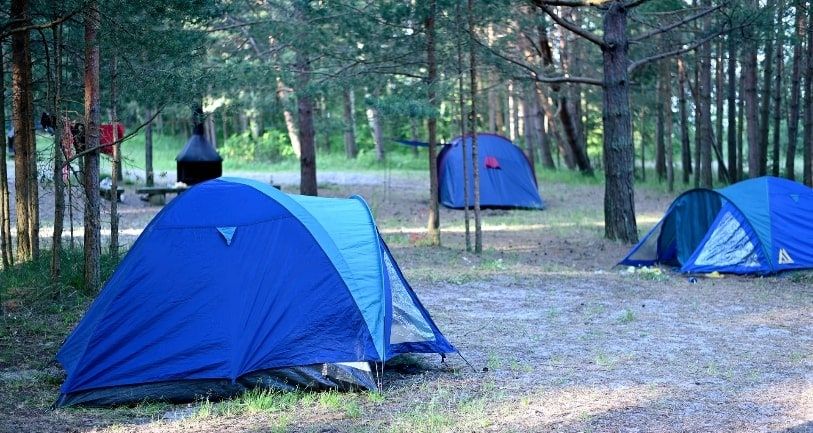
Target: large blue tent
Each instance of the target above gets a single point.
(507, 179)
(236, 284)
(757, 226)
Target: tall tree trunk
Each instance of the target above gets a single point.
(374, 119)
(433, 223)
(150, 175)
(539, 122)
(5, 203)
(307, 157)
(491, 95)
(703, 102)
(349, 98)
(719, 91)
(808, 106)
(284, 96)
(478, 230)
(741, 129)
(619, 195)
(530, 130)
(685, 148)
(59, 158)
(777, 92)
(570, 124)
(664, 101)
(513, 113)
(733, 173)
(765, 103)
(749, 73)
(22, 118)
(512, 117)
(116, 163)
(668, 127)
(796, 75)
(90, 170)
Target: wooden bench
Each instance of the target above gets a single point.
(158, 195)
(107, 194)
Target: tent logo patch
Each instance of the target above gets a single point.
(784, 257)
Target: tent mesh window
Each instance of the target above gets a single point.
(728, 245)
(408, 324)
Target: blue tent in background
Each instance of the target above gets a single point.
(235, 284)
(507, 179)
(757, 226)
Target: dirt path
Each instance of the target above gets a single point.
(569, 343)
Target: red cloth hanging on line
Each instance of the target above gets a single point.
(106, 136)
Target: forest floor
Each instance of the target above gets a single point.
(559, 339)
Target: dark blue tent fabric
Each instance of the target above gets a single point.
(235, 277)
(512, 184)
(757, 226)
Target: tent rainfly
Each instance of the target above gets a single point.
(757, 226)
(507, 179)
(236, 284)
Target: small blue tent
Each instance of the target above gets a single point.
(757, 226)
(235, 284)
(507, 179)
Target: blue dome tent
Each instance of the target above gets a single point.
(235, 284)
(757, 226)
(507, 179)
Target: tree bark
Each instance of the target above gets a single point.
(284, 96)
(90, 170)
(433, 223)
(703, 102)
(546, 157)
(807, 171)
(350, 148)
(307, 157)
(765, 103)
(512, 117)
(530, 131)
(150, 175)
(719, 90)
(115, 164)
(374, 119)
(478, 230)
(749, 72)
(685, 148)
(513, 113)
(664, 100)
(24, 147)
(59, 158)
(740, 130)
(5, 203)
(777, 92)
(668, 127)
(733, 173)
(619, 195)
(796, 75)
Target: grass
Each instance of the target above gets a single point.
(31, 280)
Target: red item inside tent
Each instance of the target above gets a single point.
(106, 136)
(491, 162)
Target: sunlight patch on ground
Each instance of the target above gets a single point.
(571, 405)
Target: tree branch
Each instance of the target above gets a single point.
(570, 3)
(47, 25)
(686, 20)
(117, 142)
(542, 4)
(638, 63)
(634, 4)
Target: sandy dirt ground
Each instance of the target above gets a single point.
(558, 339)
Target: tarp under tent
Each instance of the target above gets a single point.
(757, 226)
(236, 284)
(507, 179)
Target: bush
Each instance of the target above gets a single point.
(272, 146)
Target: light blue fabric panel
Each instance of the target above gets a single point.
(752, 198)
(351, 228)
(361, 282)
(228, 233)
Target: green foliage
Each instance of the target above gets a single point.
(32, 279)
(273, 145)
